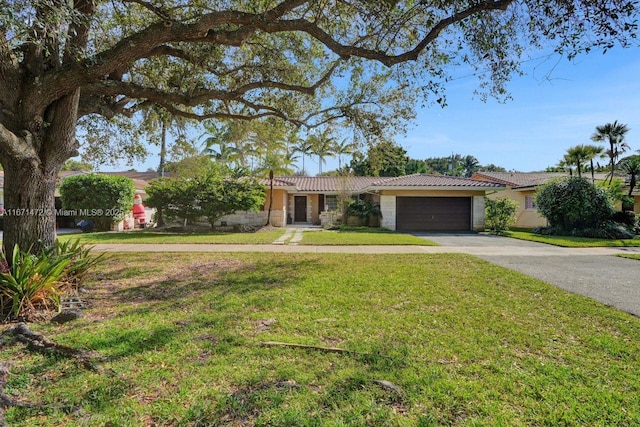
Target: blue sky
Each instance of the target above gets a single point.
(555, 105)
(545, 117)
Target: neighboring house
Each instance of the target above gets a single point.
(413, 202)
(65, 221)
(522, 187)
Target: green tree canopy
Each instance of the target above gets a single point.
(211, 193)
(77, 165)
(361, 64)
(385, 158)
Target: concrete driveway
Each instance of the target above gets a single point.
(592, 272)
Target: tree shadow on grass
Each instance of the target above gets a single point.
(222, 276)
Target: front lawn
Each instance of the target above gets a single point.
(155, 237)
(362, 236)
(572, 242)
(405, 340)
(630, 256)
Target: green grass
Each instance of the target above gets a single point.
(467, 342)
(152, 237)
(573, 242)
(361, 236)
(630, 256)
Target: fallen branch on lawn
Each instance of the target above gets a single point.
(310, 347)
(40, 344)
(389, 386)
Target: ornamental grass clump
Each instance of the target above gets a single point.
(80, 262)
(35, 282)
(29, 282)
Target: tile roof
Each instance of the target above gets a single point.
(357, 184)
(329, 183)
(524, 179)
(423, 180)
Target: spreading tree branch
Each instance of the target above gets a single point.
(347, 51)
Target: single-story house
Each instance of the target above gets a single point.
(412, 202)
(522, 187)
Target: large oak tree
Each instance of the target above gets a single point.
(95, 62)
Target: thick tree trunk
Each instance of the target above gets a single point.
(29, 197)
(31, 165)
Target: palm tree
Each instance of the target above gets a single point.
(614, 134)
(304, 148)
(454, 164)
(470, 165)
(631, 167)
(564, 165)
(157, 117)
(341, 148)
(579, 156)
(275, 162)
(593, 151)
(322, 146)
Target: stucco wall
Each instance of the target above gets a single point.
(388, 209)
(313, 201)
(279, 200)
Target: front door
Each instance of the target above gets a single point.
(300, 209)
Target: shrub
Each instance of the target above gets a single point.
(606, 230)
(101, 199)
(364, 210)
(574, 203)
(500, 213)
(212, 194)
(627, 218)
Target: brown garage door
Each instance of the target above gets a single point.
(433, 213)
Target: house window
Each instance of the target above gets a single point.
(529, 202)
(331, 202)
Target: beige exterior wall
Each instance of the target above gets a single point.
(279, 200)
(526, 218)
(314, 200)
